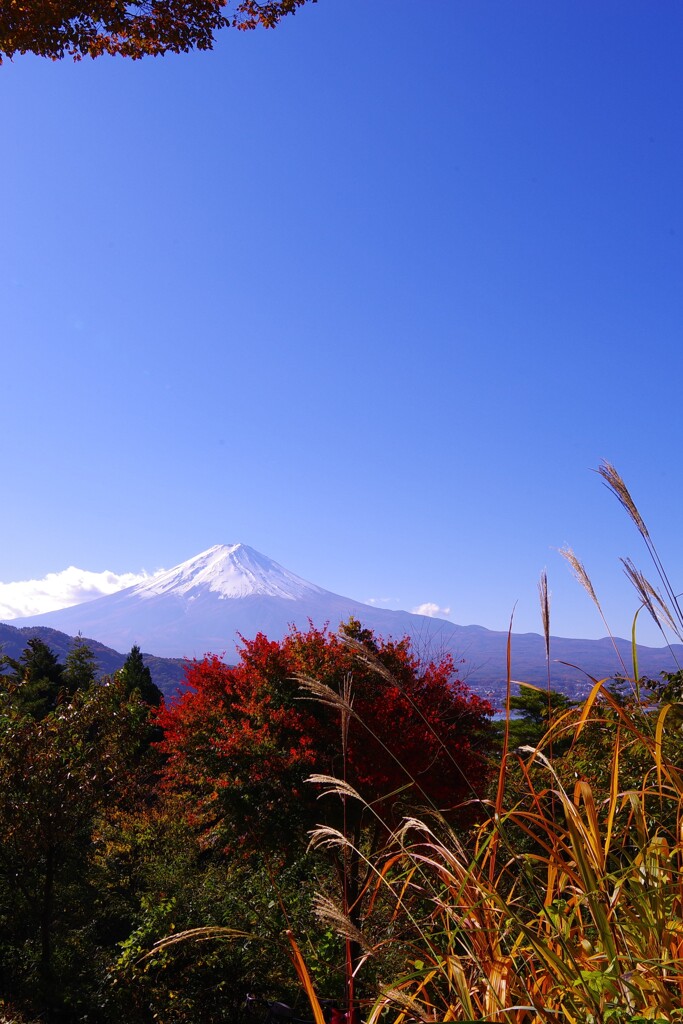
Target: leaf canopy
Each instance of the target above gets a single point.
(90, 28)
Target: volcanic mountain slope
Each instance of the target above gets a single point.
(206, 603)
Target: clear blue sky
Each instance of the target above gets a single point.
(372, 292)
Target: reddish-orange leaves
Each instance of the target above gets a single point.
(89, 28)
(241, 741)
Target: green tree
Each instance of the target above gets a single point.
(80, 667)
(37, 677)
(58, 774)
(533, 712)
(180, 887)
(137, 677)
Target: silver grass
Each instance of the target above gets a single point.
(616, 485)
(347, 711)
(545, 610)
(326, 910)
(365, 656)
(651, 598)
(198, 935)
(619, 489)
(325, 837)
(405, 1000)
(535, 754)
(584, 579)
(324, 694)
(581, 575)
(335, 786)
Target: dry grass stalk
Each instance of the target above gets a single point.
(324, 694)
(614, 482)
(651, 598)
(335, 787)
(328, 911)
(544, 598)
(581, 575)
(617, 486)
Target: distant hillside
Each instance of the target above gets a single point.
(167, 673)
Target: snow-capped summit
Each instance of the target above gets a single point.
(209, 602)
(230, 571)
(229, 592)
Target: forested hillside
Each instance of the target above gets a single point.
(168, 673)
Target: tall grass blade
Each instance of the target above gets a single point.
(305, 979)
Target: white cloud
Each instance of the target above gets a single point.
(382, 602)
(431, 609)
(61, 590)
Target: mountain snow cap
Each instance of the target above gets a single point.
(231, 571)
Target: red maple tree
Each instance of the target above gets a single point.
(241, 741)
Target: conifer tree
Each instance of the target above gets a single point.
(136, 676)
(80, 667)
(37, 676)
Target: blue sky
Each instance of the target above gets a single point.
(372, 292)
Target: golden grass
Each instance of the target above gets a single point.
(568, 907)
(566, 903)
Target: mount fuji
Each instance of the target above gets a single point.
(205, 604)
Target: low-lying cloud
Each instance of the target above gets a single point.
(61, 590)
(382, 602)
(431, 609)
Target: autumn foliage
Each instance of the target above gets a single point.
(242, 741)
(122, 823)
(90, 28)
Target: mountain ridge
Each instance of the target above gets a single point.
(209, 602)
(167, 673)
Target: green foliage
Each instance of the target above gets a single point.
(80, 667)
(138, 678)
(58, 774)
(669, 689)
(182, 887)
(533, 711)
(36, 678)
